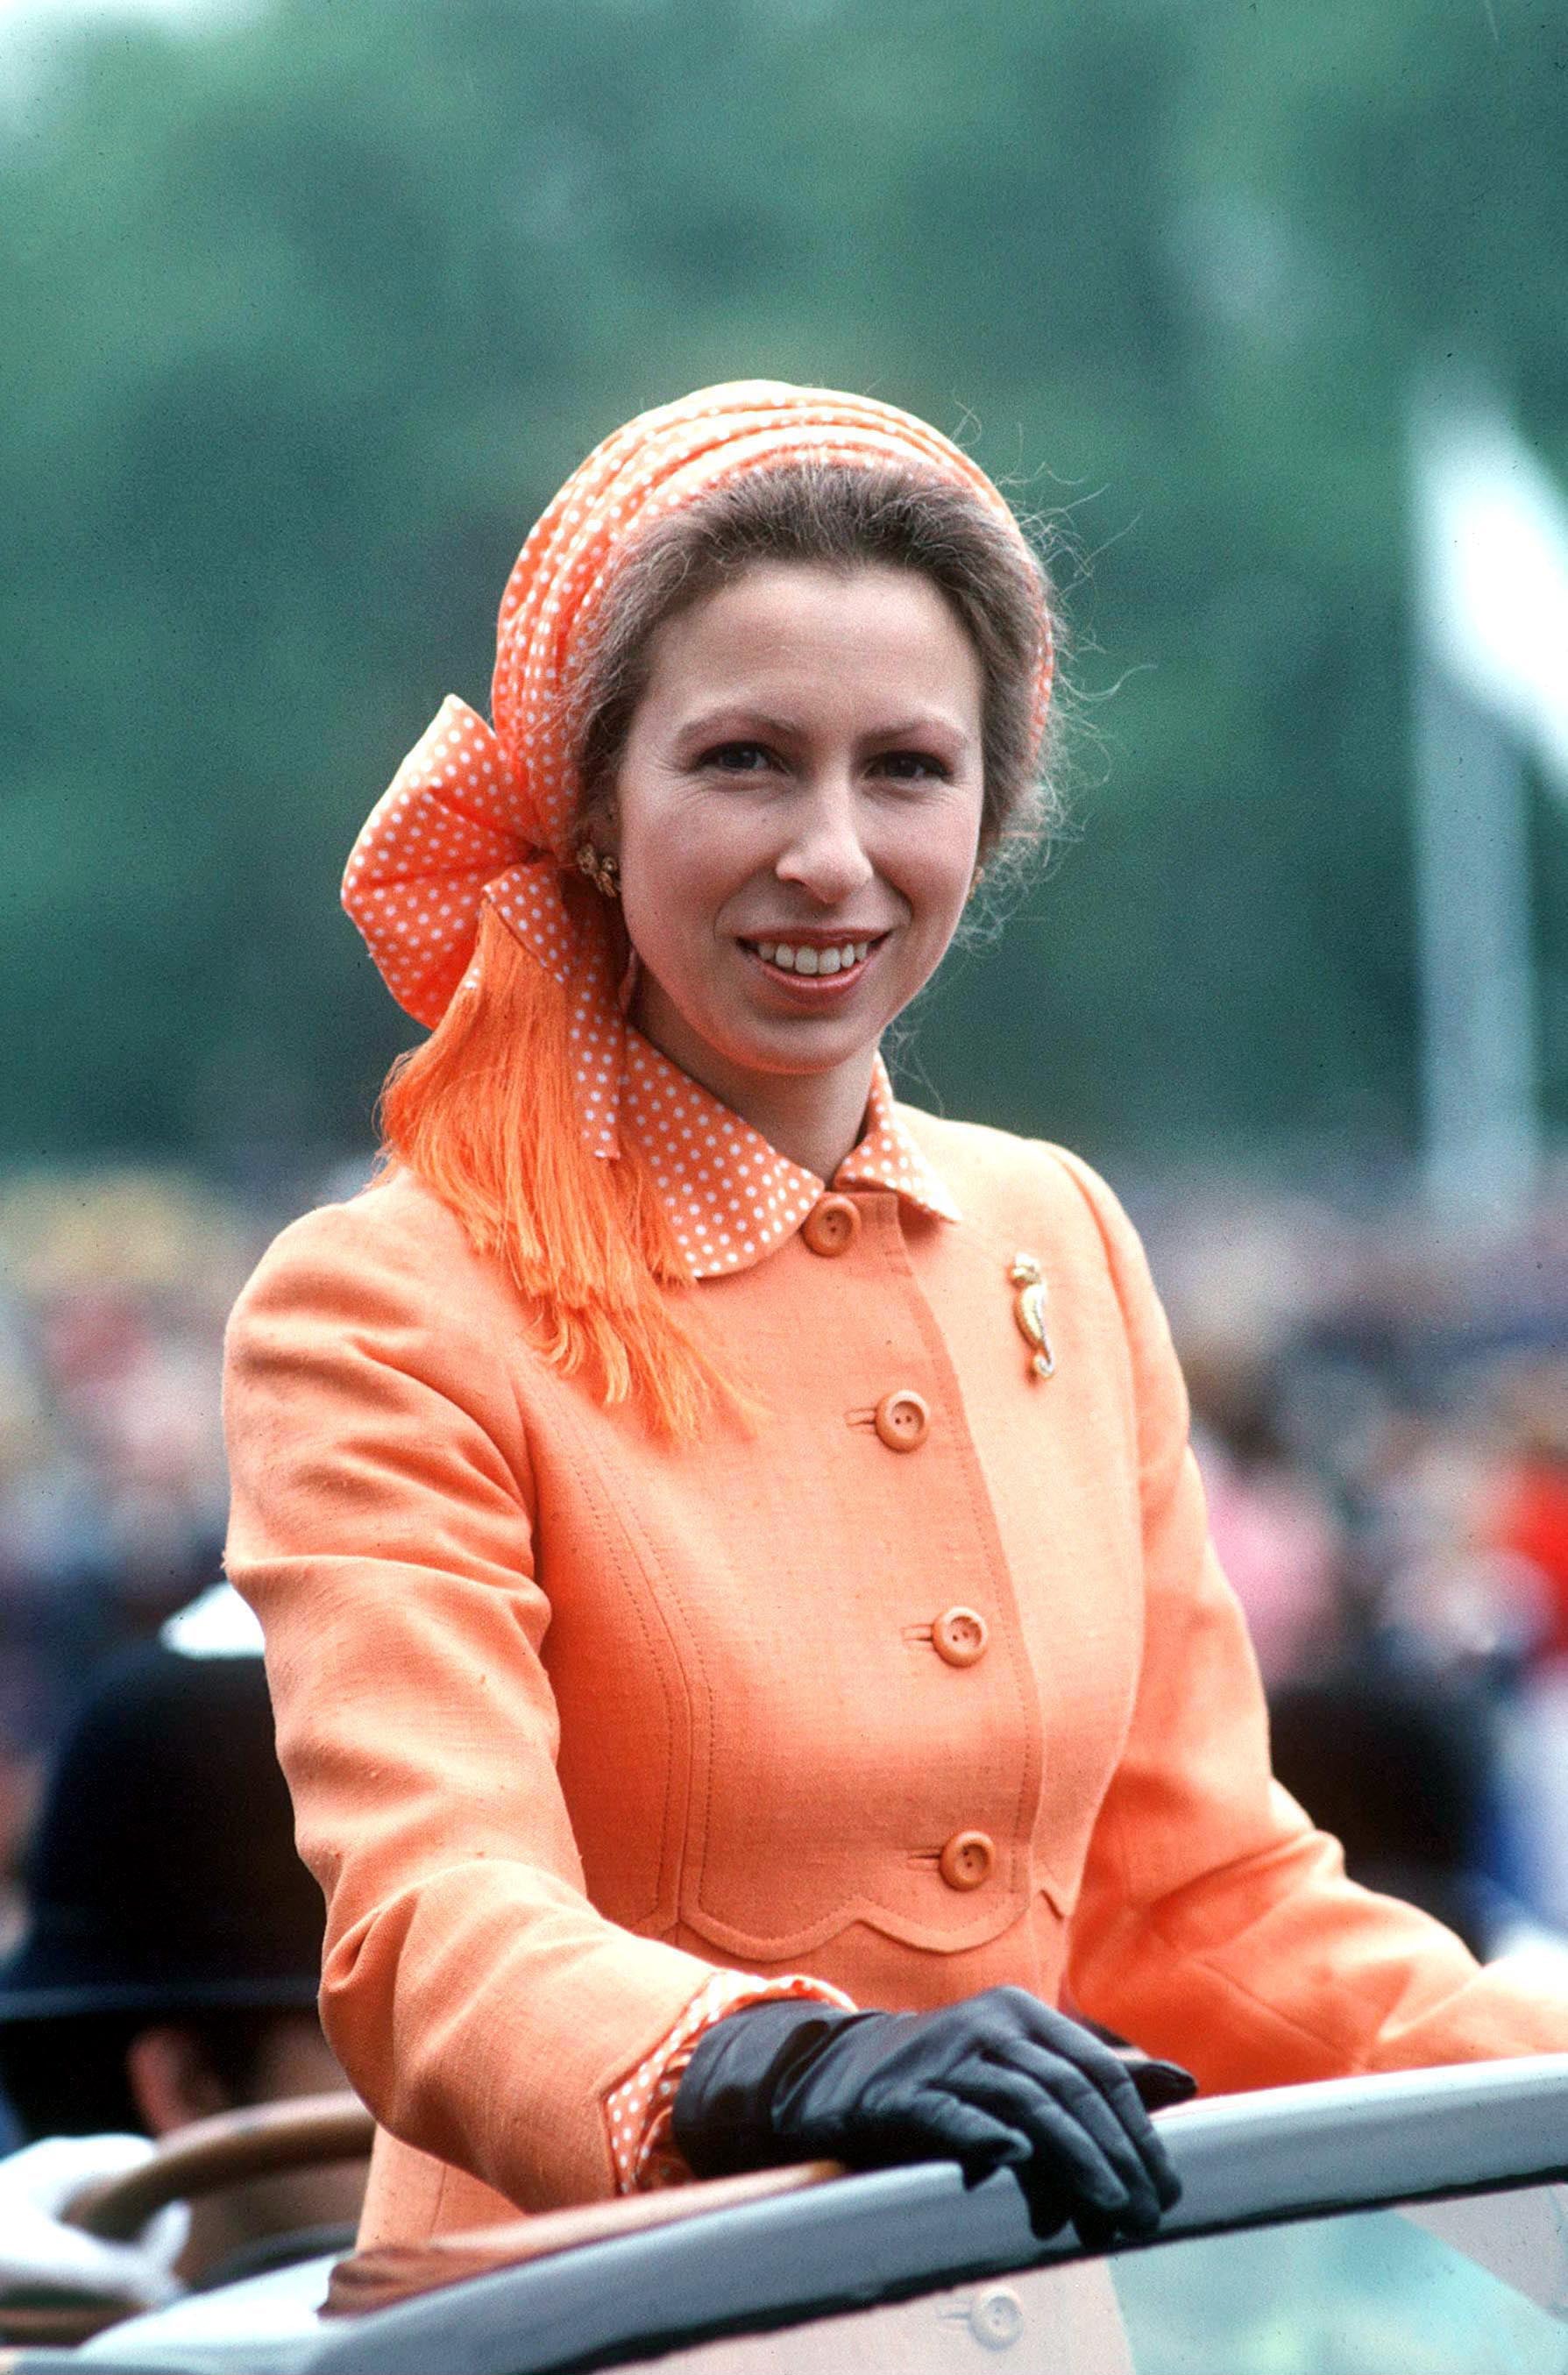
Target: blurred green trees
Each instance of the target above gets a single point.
(308, 317)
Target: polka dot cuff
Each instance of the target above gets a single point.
(640, 2112)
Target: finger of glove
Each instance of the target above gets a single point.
(1077, 2099)
(932, 2124)
(1065, 2154)
(1050, 2207)
(1113, 2110)
(1104, 2069)
(1117, 2118)
(1162, 2084)
(1095, 2232)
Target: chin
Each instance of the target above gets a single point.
(740, 1037)
(777, 1062)
(802, 1044)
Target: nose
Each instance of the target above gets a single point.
(825, 853)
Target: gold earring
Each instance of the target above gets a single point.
(602, 870)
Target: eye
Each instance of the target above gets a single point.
(913, 767)
(737, 758)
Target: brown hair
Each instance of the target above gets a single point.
(485, 1112)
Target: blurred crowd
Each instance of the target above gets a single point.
(114, 1287)
(159, 1940)
(1381, 1413)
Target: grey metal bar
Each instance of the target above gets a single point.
(917, 2229)
(903, 2231)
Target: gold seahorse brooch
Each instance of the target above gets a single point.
(1028, 1310)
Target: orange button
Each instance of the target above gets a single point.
(831, 1225)
(960, 1635)
(967, 1860)
(904, 1420)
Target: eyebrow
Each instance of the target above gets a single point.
(740, 713)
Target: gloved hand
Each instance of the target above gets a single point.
(997, 2078)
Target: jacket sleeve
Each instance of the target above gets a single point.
(381, 1527)
(1215, 1924)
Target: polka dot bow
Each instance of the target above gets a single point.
(475, 815)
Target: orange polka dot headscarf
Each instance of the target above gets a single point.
(478, 817)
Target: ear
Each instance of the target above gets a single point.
(171, 2079)
(600, 823)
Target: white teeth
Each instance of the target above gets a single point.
(812, 960)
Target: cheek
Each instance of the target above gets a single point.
(671, 893)
(935, 870)
(681, 862)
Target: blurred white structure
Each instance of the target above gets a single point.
(36, 34)
(1491, 693)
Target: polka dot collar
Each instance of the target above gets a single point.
(732, 1198)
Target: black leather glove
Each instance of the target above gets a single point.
(997, 2078)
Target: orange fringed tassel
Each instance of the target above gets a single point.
(486, 1114)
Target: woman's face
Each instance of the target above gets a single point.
(797, 815)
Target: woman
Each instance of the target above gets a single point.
(735, 1588)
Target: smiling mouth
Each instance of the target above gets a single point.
(818, 963)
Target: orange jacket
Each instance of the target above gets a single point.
(571, 1716)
